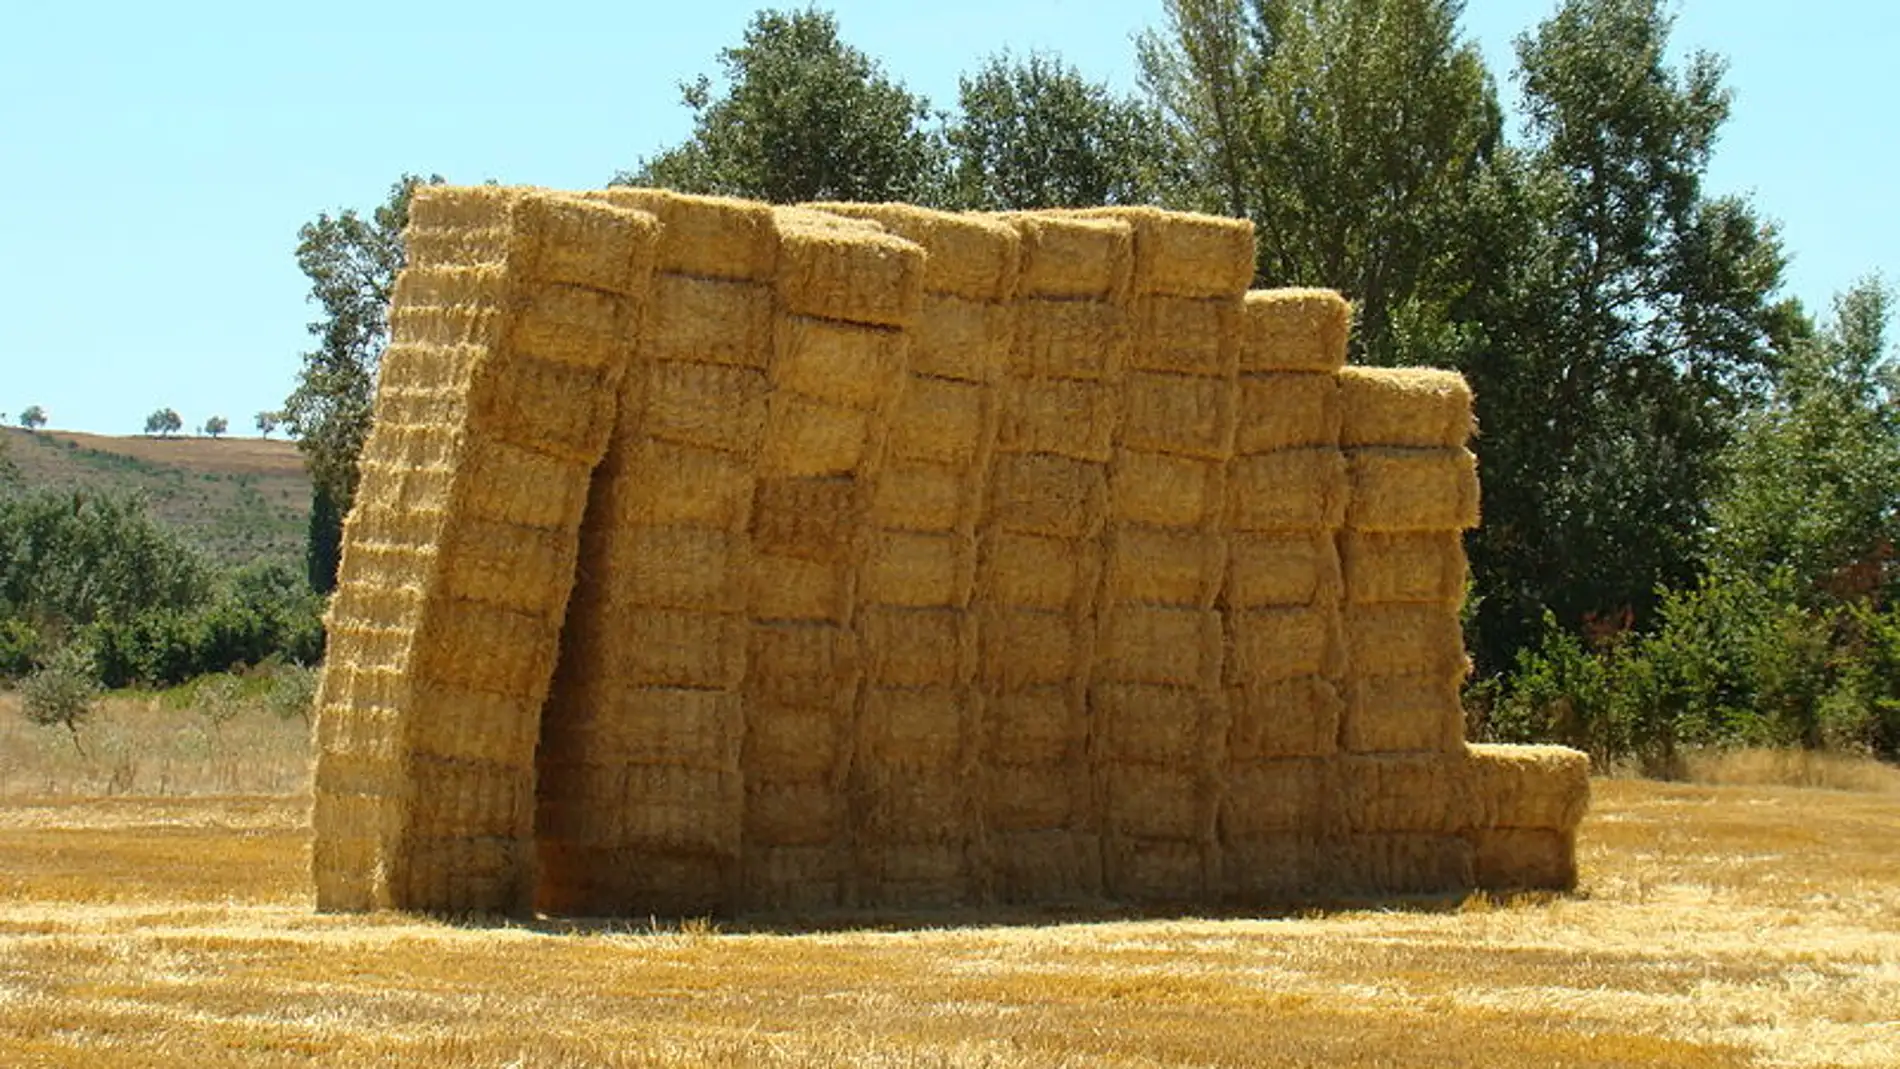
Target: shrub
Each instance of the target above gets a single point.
(63, 694)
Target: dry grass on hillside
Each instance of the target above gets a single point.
(1718, 926)
(226, 455)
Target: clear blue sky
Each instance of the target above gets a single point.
(158, 159)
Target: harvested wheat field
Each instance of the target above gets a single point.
(1715, 926)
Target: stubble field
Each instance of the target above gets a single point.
(1718, 925)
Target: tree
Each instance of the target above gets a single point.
(267, 422)
(351, 261)
(163, 422)
(1033, 133)
(33, 418)
(62, 694)
(216, 426)
(1350, 131)
(803, 116)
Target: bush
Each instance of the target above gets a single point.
(20, 650)
(252, 623)
(63, 694)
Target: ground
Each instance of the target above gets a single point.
(1717, 926)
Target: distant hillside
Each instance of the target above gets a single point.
(238, 499)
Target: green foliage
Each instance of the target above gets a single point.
(69, 559)
(264, 613)
(267, 422)
(292, 693)
(323, 552)
(60, 695)
(164, 422)
(21, 649)
(216, 426)
(33, 417)
(1033, 133)
(802, 116)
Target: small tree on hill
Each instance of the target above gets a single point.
(216, 426)
(267, 422)
(164, 421)
(33, 418)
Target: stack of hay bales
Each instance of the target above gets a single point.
(509, 339)
(640, 757)
(918, 717)
(1041, 547)
(846, 295)
(1287, 492)
(1158, 711)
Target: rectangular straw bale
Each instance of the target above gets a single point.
(1292, 490)
(909, 804)
(915, 728)
(1294, 330)
(1154, 871)
(1159, 490)
(1270, 645)
(467, 799)
(1421, 566)
(1389, 714)
(915, 647)
(1271, 869)
(1284, 718)
(804, 517)
(1185, 415)
(575, 242)
(1275, 797)
(1089, 259)
(1036, 572)
(805, 437)
(789, 588)
(1287, 410)
(1186, 336)
(1413, 490)
(447, 332)
(707, 405)
(655, 483)
(1410, 407)
(1186, 254)
(513, 567)
(840, 363)
(673, 647)
(1046, 494)
(969, 256)
(1525, 859)
(790, 744)
(1407, 792)
(1046, 867)
(806, 813)
(457, 874)
(608, 724)
(1022, 648)
(940, 421)
(565, 410)
(486, 647)
(1070, 339)
(1268, 570)
(846, 273)
(708, 321)
(672, 567)
(1142, 723)
(955, 338)
(648, 808)
(1529, 786)
(1403, 864)
(1164, 566)
(1031, 797)
(487, 727)
(1405, 638)
(918, 496)
(1154, 644)
(1060, 416)
(794, 879)
(579, 881)
(801, 664)
(915, 875)
(1044, 726)
(706, 237)
(569, 325)
(918, 570)
(514, 484)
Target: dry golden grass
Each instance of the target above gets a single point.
(150, 746)
(1718, 926)
(227, 455)
(1792, 768)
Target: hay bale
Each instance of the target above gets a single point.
(1270, 645)
(1424, 566)
(1154, 871)
(1159, 644)
(1046, 867)
(805, 437)
(708, 321)
(1047, 494)
(1391, 714)
(792, 813)
(1184, 254)
(584, 882)
(1401, 864)
(499, 564)
(1032, 798)
(1292, 490)
(1163, 566)
(1275, 797)
(914, 875)
(710, 406)
(1413, 407)
(611, 725)
(661, 647)
(1405, 639)
(1529, 786)
(1073, 258)
(669, 567)
(1059, 416)
(914, 496)
(1186, 336)
(1525, 859)
(1037, 572)
(1158, 490)
(1271, 869)
(706, 237)
(1413, 490)
(941, 421)
(792, 589)
(1024, 648)
(850, 274)
(1278, 570)
(968, 256)
(1041, 726)
(1293, 330)
(1433, 793)
(793, 879)
(809, 518)
(1141, 723)
(653, 483)
(915, 647)
(800, 664)
(1284, 718)
(970, 341)
(1182, 415)
(1290, 410)
(1070, 339)
(837, 363)
(918, 570)
(791, 744)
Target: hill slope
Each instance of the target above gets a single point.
(237, 499)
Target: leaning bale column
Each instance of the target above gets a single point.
(508, 342)
(640, 748)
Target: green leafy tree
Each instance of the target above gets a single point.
(351, 261)
(216, 426)
(61, 695)
(68, 559)
(164, 422)
(1350, 131)
(1033, 133)
(800, 116)
(267, 422)
(33, 418)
